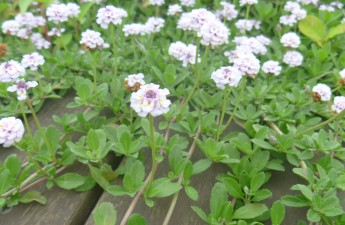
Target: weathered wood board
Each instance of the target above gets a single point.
(64, 207)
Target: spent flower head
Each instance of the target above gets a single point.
(11, 130)
(134, 82)
(321, 92)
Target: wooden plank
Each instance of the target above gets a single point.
(64, 207)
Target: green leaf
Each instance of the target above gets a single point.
(313, 216)
(250, 211)
(295, 201)
(263, 144)
(201, 165)
(134, 177)
(233, 187)
(96, 139)
(33, 196)
(169, 75)
(192, 193)
(314, 28)
(243, 143)
(218, 199)
(84, 8)
(69, 181)
(340, 182)
(163, 188)
(5, 183)
(136, 219)
(98, 177)
(24, 5)
(105, 214)
(277, 213)
(13, 164)
(305, 191)
(334, 31)
(200, 213)
(257, 181)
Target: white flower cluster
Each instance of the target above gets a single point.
(263, 39)
(342, 74)
(325, 7)
(337, 4)
(110, 14)
(92, 40)
(228, 12)
(271, 68)
(94, 1)
(174, 9)
(135, 79)
(247, 25)
(184, 53)
(244, 61)
(11, 130)
(194, 20)
(153, 25)
(322, 92)
(296, 14)
(38, 40)
(32, 60)
(293, 58)
(56, 31)
(212, 31)
(22, 25)
(21, 88)
(338, 104)
(157, 2)
(290, 40)
(150, 99)
(189, 3)
(248, 2)
(11, 71)
(250, 44)
(59, 12)
(226, 76)
(308, 2)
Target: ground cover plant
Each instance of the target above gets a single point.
(174, 76)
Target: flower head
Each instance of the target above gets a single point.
(39, 41)
(290, 40)
(156, 2)
(92, 40)
(11, 130)
(321, 92)
(293, 58)
(338, 104)
(150, 99)
(32, 60)
(271, 67)
(21, 88)
(110, 14)
(190, 3)
(228, 12)
(226, 76)
(213, 33)
(11, 71)
(133, 82)
(174, 9)
(248, 2)
(194, 20)
(154, 24)
(183, 52)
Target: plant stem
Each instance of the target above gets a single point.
(196, 84)
(247, 16)
(243, 84)
(226, 94)
(25, 118)
(94, 67)
(39, 127)
(342, 113)
(115, 52)
(180, 180)
(134, 49)
(153, 151)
